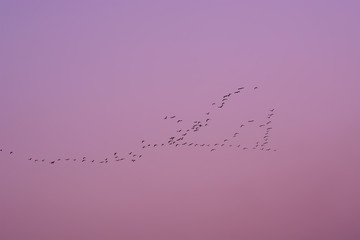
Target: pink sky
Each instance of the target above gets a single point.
(88, 78)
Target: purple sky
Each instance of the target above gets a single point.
(88, 78)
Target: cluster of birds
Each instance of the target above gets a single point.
(179, 139)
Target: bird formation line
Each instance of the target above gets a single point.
(180, 138)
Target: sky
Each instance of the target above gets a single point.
(91, 78)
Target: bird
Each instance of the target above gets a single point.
(52, 162)
(241, 88)
(268, 122)
(11, 152)
(242, 125)
(165, 117)
(213, 103)
(179, 120)
(130, 153)
(133, 160)
(142, 141)
(173, 117)
(114, 154)
(212, 149)
(255, 88)
(207, 113)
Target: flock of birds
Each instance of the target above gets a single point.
(180, 138)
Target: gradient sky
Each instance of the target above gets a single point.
(88, 78)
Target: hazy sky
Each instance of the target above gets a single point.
(90, 78)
